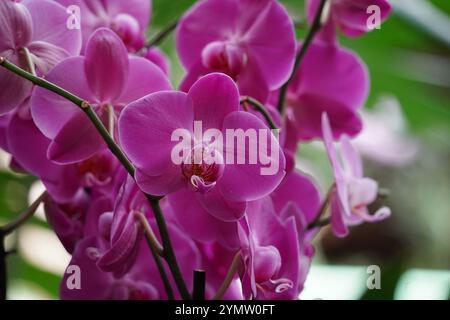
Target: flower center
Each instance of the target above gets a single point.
(225, 57)
(96, 171)
(203, 166)
(127, 28)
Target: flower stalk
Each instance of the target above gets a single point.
(237, 260)
(8, 229)
(315, 27)
(157, 252)
(162, 35)
(261, 109)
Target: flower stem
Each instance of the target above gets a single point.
(157, 252)
(115, 149)
(229, 277)
(149, 234)
(169, 254)
(318, 221)
(315, 27)
(162, 35)
(261, 109)
(199, 285)
(29, 61)
(8, 229)
(3, 275)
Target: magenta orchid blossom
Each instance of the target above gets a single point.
(100, 174)
(271, 254)
(128, 19)
(25, 40)
(352, 17)
(353, 193)
(251, 41)
(315, 90)
(223, 186)
(107, 78)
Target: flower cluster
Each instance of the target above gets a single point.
(209, 184)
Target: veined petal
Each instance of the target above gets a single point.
(213, 202)
(16, 25)
(271, 42)
(106, 65)
(214, 97)
(245, 179)
(50, 111)
(78, 140)
(53, 28)
(143, 78)
(146, 127)
(198, 223)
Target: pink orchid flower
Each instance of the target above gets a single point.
(67, 220)
(332, 80)
(140, 282)
(158, 57)
(25, 32)
(298, 197)
(352, 193)
(128, 19)
(216, 261)
(352, 17)
(222, 186)
(251, 41)
(122, 230)
(100, 175)
(271, 254)
(107, 78)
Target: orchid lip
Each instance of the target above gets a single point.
(201, 172)
(225, 56)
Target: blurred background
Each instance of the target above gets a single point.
(406, 146)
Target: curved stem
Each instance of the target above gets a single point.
(318, 221)
(229, 277)
(29, 60)
(157, 253)
(261, 109)
(8, 229)
(3, 274)
(315, 27)
(162, 35)
(115, 149)
(169, 254)
(149, 234)
(27, 214)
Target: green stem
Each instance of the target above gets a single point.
(318, 221)
(157, 253)
(261, 109)
(8, 229)
(169, 254)
(3, 273)
(29, 61)
(115, 149)
(163, 34)
(315, 27)
(237, 260)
